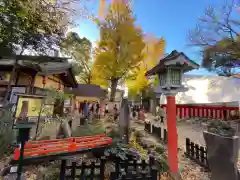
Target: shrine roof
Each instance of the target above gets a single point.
(43, 65)
(174, 55)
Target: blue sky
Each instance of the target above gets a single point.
(171, 19)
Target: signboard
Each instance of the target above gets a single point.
(14, 92)
(67, 103)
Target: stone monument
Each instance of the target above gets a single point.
(124, 120)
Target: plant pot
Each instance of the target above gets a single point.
(222, 156)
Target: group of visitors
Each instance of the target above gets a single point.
(91, 110)
(135, 111)
(115, 111)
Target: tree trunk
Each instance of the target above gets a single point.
(114, 83)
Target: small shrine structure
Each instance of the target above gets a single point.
(170, 70)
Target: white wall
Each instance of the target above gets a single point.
(208, 89)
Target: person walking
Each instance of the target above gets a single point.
(98, 110)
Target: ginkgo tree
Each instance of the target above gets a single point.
(152, 53)
(120, 47)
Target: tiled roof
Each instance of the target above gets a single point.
(173, 55)
(44, 65)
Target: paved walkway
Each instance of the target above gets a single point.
(189, 170)
(186, 130)
(192, 131)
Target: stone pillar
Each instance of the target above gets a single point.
(153, 105)
(172, 134)
(124, 120)
(222, 155)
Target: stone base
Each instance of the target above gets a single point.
(222, 156)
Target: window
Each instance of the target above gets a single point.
(162, 79)
(175, 76)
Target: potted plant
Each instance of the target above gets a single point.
(222, 150)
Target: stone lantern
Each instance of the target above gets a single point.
(170, 70)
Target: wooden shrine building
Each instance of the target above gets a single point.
(33, 75)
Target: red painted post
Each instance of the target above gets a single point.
(194, 113)
(214, 113)
(189, 112)
(180, 112)
(199, 111)
(211, 112)
(185, 112)
(207, 113)
(172, 134)
(221, 113)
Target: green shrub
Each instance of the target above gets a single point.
(162, 164)
(6, 139)
(114, 134)
(44, 138)
(88, 130)
(221, 128)
(159, 150)
(49, 174)
(7, 134)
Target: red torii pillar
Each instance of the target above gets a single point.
(172, 134)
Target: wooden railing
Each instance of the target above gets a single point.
(196, 153)
(215, 112)
(159, 132)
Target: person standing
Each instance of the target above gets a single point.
(158, 112)
(106, 109)
(134, 112)
(86, 110)
(98, 110)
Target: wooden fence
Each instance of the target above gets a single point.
(215, 112)
(159, 132)
(83, 171)
(129, 170)
(196, 153)
(125, 170)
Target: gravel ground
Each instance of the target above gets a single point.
(189, 170)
